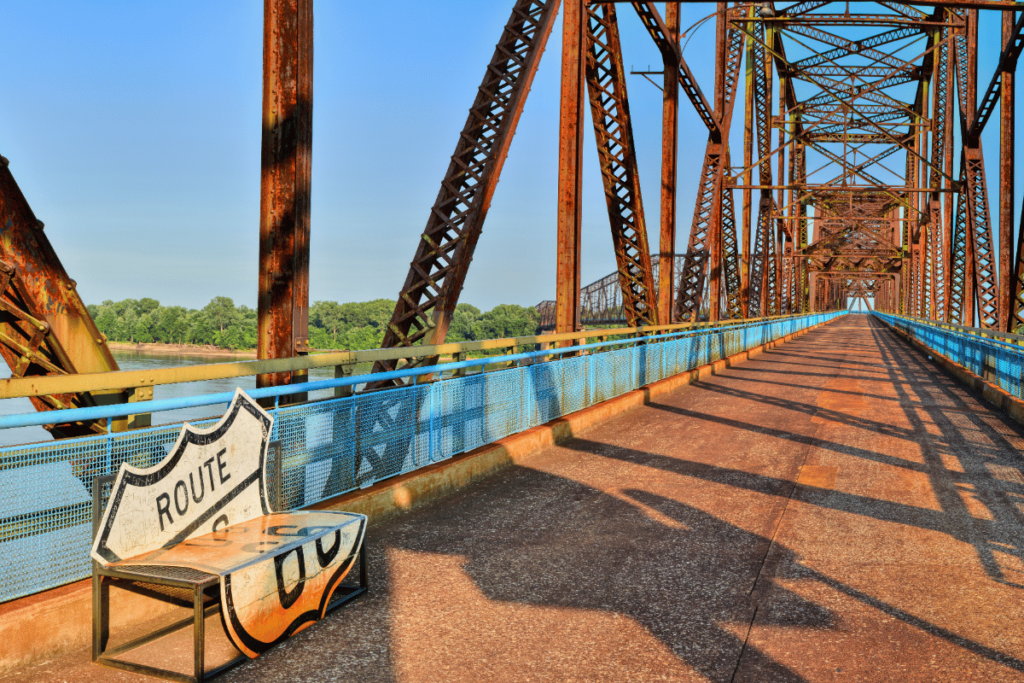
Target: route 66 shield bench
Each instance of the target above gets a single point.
(198, 527)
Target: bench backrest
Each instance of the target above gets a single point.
(211, 478)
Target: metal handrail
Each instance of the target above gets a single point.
(108, 412)
(43, 385)
(1009, 338)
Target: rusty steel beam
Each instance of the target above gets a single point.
(1012, 42)
(286, 163)
(714, 231)
(959, 298)
(747, 195)
(763, 261)
(705, 257)
(1002, 79)
(669, 170)
(982, 288)
(570, 161)
(613, 131)
(670, 51)
(445, 249)
(805, 7)
(45, 328)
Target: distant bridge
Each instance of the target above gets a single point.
(601, 301)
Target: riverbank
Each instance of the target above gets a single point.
(184, 350)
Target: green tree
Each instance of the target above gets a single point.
(221, 312)
(123, 306)
(328, 316)
(461, 327)
(106, 320)
(319, 338)
(171, 325)
(144, 327)
(128, 322)
(146, 305)
(361, 338)
(200, 329)
(506, 320)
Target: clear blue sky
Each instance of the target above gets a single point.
(133, 129)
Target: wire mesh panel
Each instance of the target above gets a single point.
(613, 373)
(651, 363)
(317, 446)
(995, 360)
(332, 446)
(46, 503)
(392, 433)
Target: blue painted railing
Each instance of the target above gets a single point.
(336, 445)
(997, 358)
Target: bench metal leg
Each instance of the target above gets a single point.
(199, 633)
(100, 615)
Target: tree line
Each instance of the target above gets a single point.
(354, 326)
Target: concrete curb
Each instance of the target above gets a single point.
(995, 395)
(54, 623)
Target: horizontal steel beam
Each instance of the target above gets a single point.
(967, 4)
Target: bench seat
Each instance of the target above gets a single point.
(200, 524)
(277, 573)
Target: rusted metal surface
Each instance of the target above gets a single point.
(570, 160)
(875, 168)
(613, 131)
(285, 182)
(1012, 43)
(445, 249)
(45, 329)
(903, 236)
(669, 168)
(703, 268)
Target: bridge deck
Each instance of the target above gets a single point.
(835, 509)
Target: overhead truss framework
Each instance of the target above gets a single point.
(843, 177)
(855, 170)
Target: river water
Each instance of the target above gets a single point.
(132, 360)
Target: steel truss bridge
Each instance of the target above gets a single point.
(861, 175)
(729, 510)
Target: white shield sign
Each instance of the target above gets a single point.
(211, 479)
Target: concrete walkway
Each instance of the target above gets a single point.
(836, 509)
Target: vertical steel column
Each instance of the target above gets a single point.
(704, 254)
(613, 133)
(669, 173)
(715, 231)
(748, 153)
(1007, 272)
(761, 298)
(285, 184)
(947, 200)
(570, 161)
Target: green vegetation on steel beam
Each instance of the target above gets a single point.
(61, 384)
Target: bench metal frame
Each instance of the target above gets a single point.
(205, 602)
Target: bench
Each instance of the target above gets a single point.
(197, 530)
